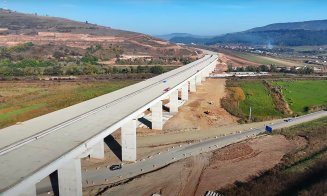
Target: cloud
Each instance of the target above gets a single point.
(68, 5)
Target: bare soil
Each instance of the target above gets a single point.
(225, 59)
(203, 110)
(211, 171)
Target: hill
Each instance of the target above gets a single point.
(18, 28)
(281, 34)
(274, 37)
(170, 37)
(314, 25)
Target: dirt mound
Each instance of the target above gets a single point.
(233, 152)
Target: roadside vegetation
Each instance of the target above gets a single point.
(301, 172)
(271, 69)
(20, 101)
(49, 60)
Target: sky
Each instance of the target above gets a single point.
(157, 17)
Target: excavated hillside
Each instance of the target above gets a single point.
(17, 28)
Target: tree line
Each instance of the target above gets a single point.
(86, 69)
(271, 68)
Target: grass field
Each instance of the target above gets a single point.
(257, 97)
(20, 101)
(301, 94)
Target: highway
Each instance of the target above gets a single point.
(101, 176)
(31, 150)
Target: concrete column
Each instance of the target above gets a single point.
(70, 179)
(198, 79)
(128, 141)
(192, 85)
(157, 116)
(213, 67)
(203, 77)
(29, 192)
(173, 102)
(98, 150)
(185, 92)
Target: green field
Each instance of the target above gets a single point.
(20, 101)
(258, 98)
(301, 94)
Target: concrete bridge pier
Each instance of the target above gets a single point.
(157, 116)
(213, 66)
(128, 141)
(98, 150)
(70, 179)
(173, 102)
(192, 85)
(198, 79)
(203, 76)
(29, 192)
(184, 92)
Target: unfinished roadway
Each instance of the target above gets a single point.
(32, 150)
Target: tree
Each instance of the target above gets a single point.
(293, 69)
(90, 69)
(89, 59)
(238, 95)
(73, 70)
(273, 68)
(58, 54)
(264, 68)
(53, 71)
(156, 70)
(230, 67)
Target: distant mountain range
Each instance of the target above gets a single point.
(282, 34)
(171, 36)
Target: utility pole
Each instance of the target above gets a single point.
(250, 114)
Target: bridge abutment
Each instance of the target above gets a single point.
(128, 141)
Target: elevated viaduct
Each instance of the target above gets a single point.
(32, 150)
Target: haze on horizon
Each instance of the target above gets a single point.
(156, 17)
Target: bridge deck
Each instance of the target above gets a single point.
(67, 129)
